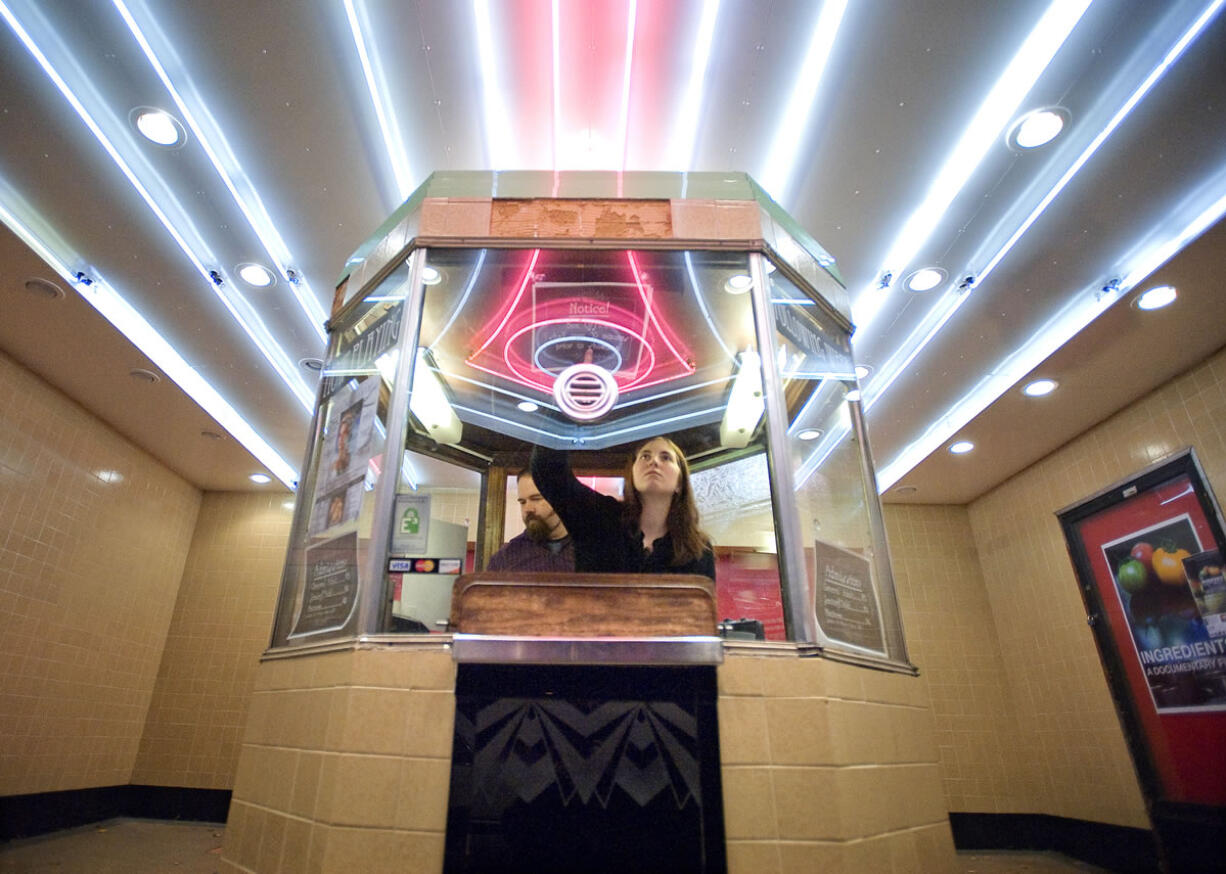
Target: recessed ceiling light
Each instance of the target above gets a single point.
(159, 127)
(142, 375)
(962, 447)
(43, 288)
(315, 364)
(1156, 298)
(1038, 128)
(853, 395)
(431, 275)
(260, 478)
(809, 434)
(528, 406)
(925, 279)
(254, 274)
(109, 476)
(210, 435)
(1040, 387)
(862, 371)
(288, 505)
(737, 283)
(906, 490)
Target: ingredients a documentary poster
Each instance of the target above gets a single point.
(1169, 586)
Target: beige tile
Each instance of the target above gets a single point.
(808, 803)
(247, 853)
(743, 731)
(423, 794)
(337, 720)
(431, 670)
(753, 857)
(318, 854)
(934, 847)
(382, 852)
(332, 669)
(804, 857)
(306, 784)
(375, 721)
(279, 774)
(236, 825)
(799, 730)
(429, 725)
(272, 843)
(366, 791)
(794, 677)
(740, 675)
(862, 732)
(295, 847)
(326, 795)
(868, 855)
(749, 803)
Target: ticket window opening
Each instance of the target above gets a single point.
(422, 581)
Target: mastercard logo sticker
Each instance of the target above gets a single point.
(424, 565)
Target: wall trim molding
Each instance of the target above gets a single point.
(1117, 848)
(25, 816)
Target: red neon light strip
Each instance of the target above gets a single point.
(651, 316)
(506, 352)
(523, 285)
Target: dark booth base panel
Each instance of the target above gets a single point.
(585, 768)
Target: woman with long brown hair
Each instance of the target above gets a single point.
(654, 530)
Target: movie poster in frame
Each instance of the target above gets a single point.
(1147, 552)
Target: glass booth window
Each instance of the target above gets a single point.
(596, 351)
(330, 544)
(848, 586)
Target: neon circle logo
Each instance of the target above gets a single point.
(585, 391)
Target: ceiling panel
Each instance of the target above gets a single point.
(325, 140)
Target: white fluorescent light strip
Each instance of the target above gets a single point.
(1075, 316)
(994, 113)
(384, 111)
(249, 320)
(953, 299)
(623, 118)
(498, 142)
(700, 299)
(222, 157)
(459, 307)
(1152, 79)
(781, 161)
(145, 337)
(685, 128)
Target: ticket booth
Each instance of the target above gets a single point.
(416, 711)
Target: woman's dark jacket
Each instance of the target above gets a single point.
(605, 541)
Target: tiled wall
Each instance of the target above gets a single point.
(221, 625)
(951, 636)
(346, 757)
(826, 766)
(89, 571)
(1064, 713)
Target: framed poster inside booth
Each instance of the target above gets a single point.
(1148, 557)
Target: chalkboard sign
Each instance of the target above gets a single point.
(847, 608)
(330, 591)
